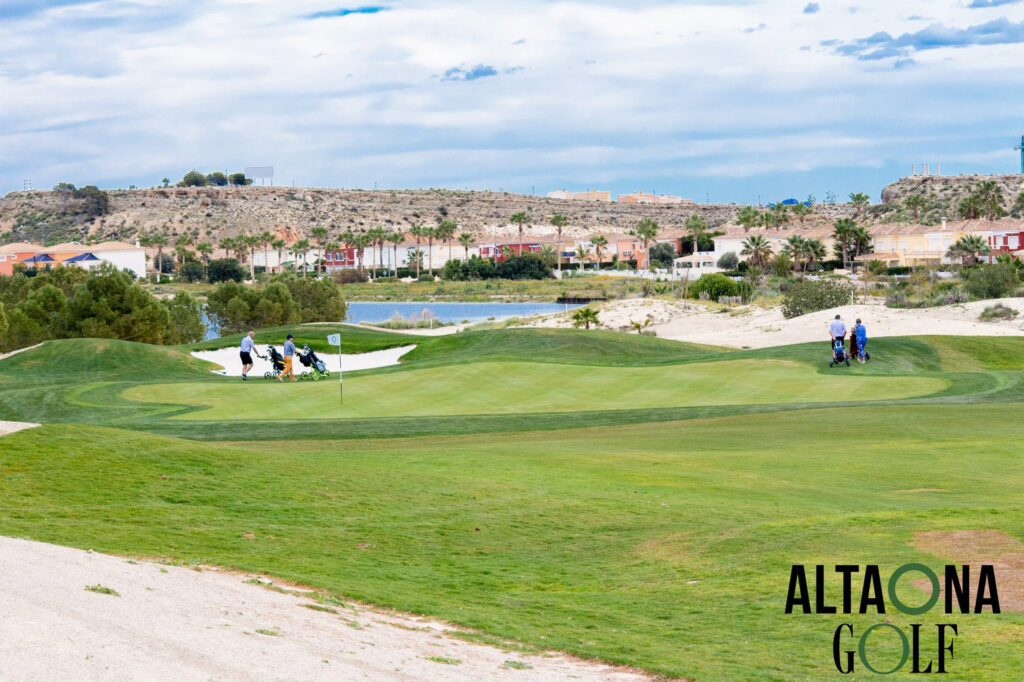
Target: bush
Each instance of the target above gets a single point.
(899, 270)
(192, 271)
(186, 319)
(729, 261)
(193, 179)
(991, 281)
(714, 286)
(745, 290)
(225, 270)
(526, 266)
(475, 268)
(349, 276)
(997, 312)
(163, 263)
(425, 277)
(94, 202)
(807, 296)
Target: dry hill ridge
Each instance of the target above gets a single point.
(212, 213)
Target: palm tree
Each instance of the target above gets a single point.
(396, 238)
(520, 219)
(861, 241)
(779, 215)
(376, 237)
(795, 248)
(991, 196)
(445, 230)
(748, 217)
(915, 203)
(431, 234)
(359, 242)
(646, 231)
(181, 244)
(968, 249)
(696, 226)
(639, 326)
(159, 240)
(252, 243)
(801, 211)
(782, 264)
(166, 181)
(205, 249)
(584, 317)
(814, 250)
(757, 250)
(582, 255)
(466, 240)
(859, 201)
(331, 246)
(265, 239)
(319, 234)
(278, 245)
(842, 232)
(599, 242)
(559, 222)
(418, 232)
(302, 247)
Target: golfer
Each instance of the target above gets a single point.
(861, 332)
(245, 353)
(289, 357)
(836, 330)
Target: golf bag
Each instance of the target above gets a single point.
(839, 355)
(276, 363)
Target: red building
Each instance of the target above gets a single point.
(501, 252)
(341, 259)
(1005, 242)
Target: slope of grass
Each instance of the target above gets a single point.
(659, 546)
(353, 339)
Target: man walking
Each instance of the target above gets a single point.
(837, 330)
(245, 353)
(289, 357)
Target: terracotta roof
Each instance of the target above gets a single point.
(66, 247)
(113, 246)
(20, 247)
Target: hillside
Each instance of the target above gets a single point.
(940, 192)
(211, 213)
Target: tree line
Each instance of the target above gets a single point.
(104, 302)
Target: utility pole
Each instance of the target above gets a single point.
(1020, 148)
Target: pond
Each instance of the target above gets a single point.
(444, 312)
(451, 312)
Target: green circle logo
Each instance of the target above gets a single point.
(913, 610)
(862, 648)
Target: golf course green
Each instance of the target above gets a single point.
(614, 496)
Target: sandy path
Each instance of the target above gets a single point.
(4, 356)
(754, 327)
(176, 623)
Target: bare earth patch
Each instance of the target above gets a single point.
(175, 623)
(976, 547)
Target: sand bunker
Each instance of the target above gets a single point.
(12, 427)
(175, 623)
(755, 327)
(229, 360)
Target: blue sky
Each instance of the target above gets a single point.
(727, 101)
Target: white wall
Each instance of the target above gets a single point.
(134, 259)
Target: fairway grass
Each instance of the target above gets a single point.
(634, 528)
(509, 387)
(656, 547)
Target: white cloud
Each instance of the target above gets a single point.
(118, 91)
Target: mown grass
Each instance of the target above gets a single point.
(642, 531)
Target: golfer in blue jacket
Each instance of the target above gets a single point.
(862, 341)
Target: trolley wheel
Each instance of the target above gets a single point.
(267, 375)
(847, 362)
(327, 373)
(831, 363)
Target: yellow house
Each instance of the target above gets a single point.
(909, 245)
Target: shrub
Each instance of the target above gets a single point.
(807, 296)
(715, 286)
(729, 261)
(225, 270)
(475, 268)
(991, 281)
(186, 321)
(997, 312)
(425, 277)
(956, 296)
(349, 277)
(745, 290)
(192, 271)
(526, 266)
(193, 179)
(899, 270)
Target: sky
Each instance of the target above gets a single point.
(740, 101)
